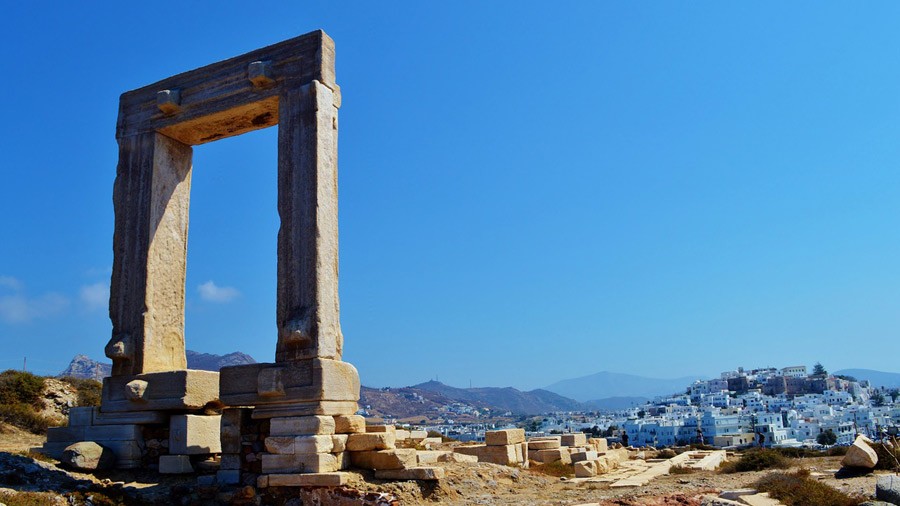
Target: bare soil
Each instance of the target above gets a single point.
(465, 484)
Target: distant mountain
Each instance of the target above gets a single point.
(86, 368)
(506, 399)
(875, 378)
(83, 367)
(211, 362)
(431, 400)
(615, 403)
(610, 384)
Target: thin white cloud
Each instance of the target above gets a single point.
(10, 282)
(98, 271)
(20, 309)
(211, 292)
(95, 296)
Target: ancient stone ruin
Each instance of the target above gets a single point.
(308, 393)
(286, 424)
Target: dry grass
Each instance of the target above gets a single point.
(25, 417)
(29, 498)
(798, 489)
(681, 470)
(557, 469)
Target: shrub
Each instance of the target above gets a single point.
(798, 489)
(798, 453)
(19, 387)
(25, 417)
(827, 438)
(88, 390)
(756, 460)
(14, 498)
(837, 451)
(888, 454)
(666, 453)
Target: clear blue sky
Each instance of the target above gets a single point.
(528, 191)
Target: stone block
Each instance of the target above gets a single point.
(370, 441)
(113, 433)
(494, 454)
(335, 479)
(230, 461)
(574, 439)
(194, 434)
(860, 454)
(412, 473)
(585, 469)
(418, 435)
(384, 459)
(315, 386)
(599, 443)
(504, 437)
(230, 435)
(339, 442)
(81, 417)
(300, 463)
(175, 464)
(430, 442)
(349, 424)
(186, 389)
(381, 428)
(65, 434)
(314, 444)
(457, 457)
(553, 455)
(302, 425)
(429, 456)
(402, 434)
(126, 418)
(228, 476)
(282, 445)
(88, 456)
(583, 455)
(544, 443)
(887, 488)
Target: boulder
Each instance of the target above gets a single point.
(860, 454)
(887, 488)
(88, 456)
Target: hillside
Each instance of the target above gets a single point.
(605, 384)
(434, 400)
(614, 403)
(875, 378)
(505, 399)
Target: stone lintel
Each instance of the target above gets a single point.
(184, 390)
(218, 100)
(299, 385)
(129, 417)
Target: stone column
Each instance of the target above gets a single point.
(308, 310)
(151, 196)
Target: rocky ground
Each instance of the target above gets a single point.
(465, 484)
